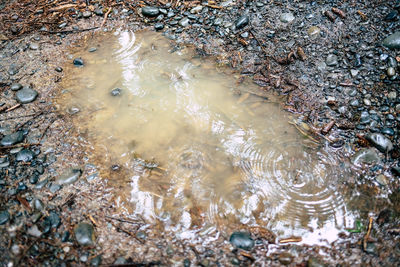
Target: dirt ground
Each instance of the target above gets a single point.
(38, 220)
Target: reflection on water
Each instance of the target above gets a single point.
(200, 151)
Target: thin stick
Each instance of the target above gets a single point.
(122, 220)
(71, 31)
(19, 145)
(105, 17)
(13, 107)
(368, 233)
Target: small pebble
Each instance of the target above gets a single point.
(78, 62)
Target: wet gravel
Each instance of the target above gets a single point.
(337, 64)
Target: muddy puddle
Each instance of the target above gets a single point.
(186, 145)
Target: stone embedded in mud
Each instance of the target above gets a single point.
(314, 262)
(4, 217)
(392, 41)
(34, 231)
(242, 240)
(331, 60)
(184, 22)
(150, 11)
(116, 92)
(26, 95)
(70, 176)
(72, 110)
(34, 46)
(287, 17)
(366, 156)
(313, 31)
(381, 142)
(84, 234)
(12, 139)
(54, 219)
(285, 258)
(25, 155)
(87, 14)
(96, 261)
(158, 26)
(241, 22)
(16, 87)
(78, 62)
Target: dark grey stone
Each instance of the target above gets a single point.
(150, 11)
(25, 155)
(16, 87)
(158, 26)
(116, 92)
(392, 15)
(242, 22)
(12, 139)
(381, 142)
(69, 176)
(84, 234)
(99, 12)
(54, 219)
(184, 22)
(78, 62)
(4, 217)
(392, 41)
(242, 240)
(331, 60)
(26, 95)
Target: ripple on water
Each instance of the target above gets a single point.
(201, 151)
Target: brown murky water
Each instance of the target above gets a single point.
(198, 151)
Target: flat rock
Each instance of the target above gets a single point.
(4, 217)
(69, 176)
(84, 234)
(381, 142)
(366, 156)
(242, 21)
(25, 155)
(87, 14)
(331, 60)
(116, 92)
(78, 62)
(26, 95)
(16, 87)
(392, 41)
(12, 139)
(287, 17)
(34, 231)
(242, 240)
(150, 11)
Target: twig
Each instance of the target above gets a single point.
(105, 17)
(290, 239)
(13, 107)
(127, 232)
(19, 145)
(72, 31)
(45, 130)
(122, 220)
(18, 117)
(366, 237)
(259, 43)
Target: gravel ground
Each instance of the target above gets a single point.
(336, 63)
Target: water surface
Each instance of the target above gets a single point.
(198, 149)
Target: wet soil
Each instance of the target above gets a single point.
(329, 97)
